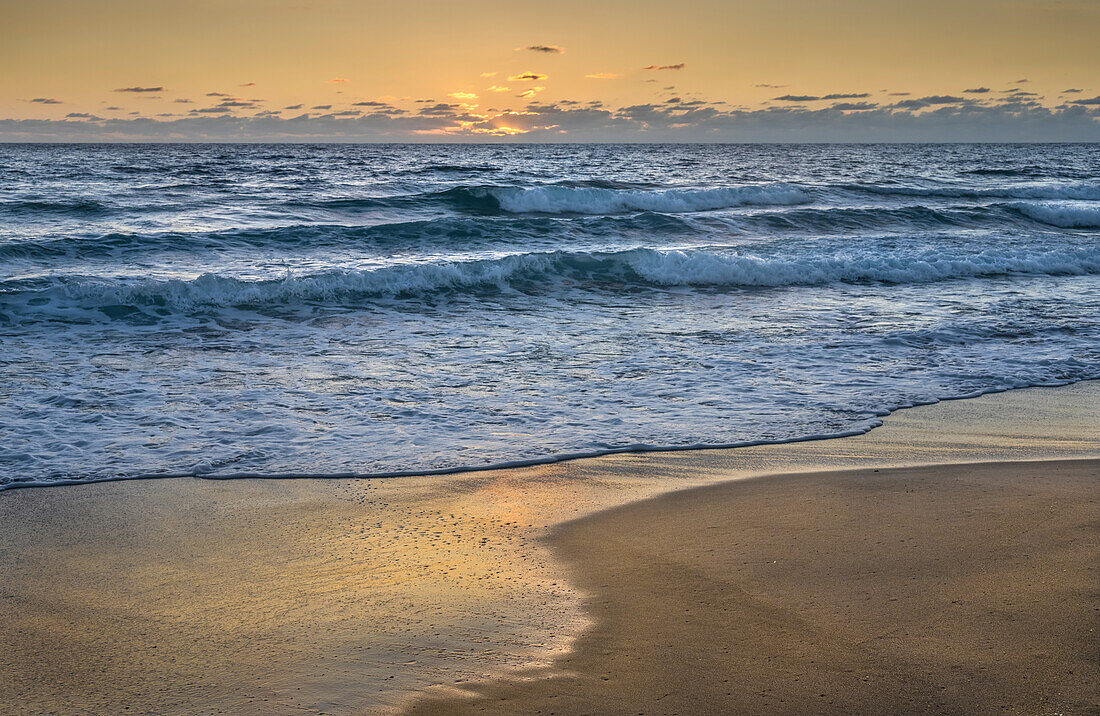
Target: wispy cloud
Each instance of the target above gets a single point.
(531, 92)
(45, 100)
(768, 86)
(80, 115)
(928, 101)
(462, 95)
(336, 80)
(247, 84)
(797, 98)
(854, 106)
(678, 66)
(140, 89)
(489, 74)
(499, 88)
(544, 49)
(976, 90)
(1093, 101)
(847, 95)
(526, 77)
(603, 76)
(216, 94)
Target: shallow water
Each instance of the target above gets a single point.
(270, 309)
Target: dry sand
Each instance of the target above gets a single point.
(954, 589)
(350, 596)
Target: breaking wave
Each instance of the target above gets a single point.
(635, 269)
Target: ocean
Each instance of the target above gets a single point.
(274, 310)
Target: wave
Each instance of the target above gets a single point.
(558, 199)
(457, 233)
(1087, 191)
(578, 200)
(78, 207)
(537, 273)
(1061, 214)
(451, 233)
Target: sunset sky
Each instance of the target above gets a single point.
(427, 70)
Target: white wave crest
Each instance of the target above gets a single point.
(704, 268)
(549, 272)
(1078, 191)
(1062, 214)
(579, 200)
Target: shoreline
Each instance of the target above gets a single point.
(641, 449)
(260, 595)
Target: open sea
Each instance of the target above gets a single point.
(227, 310)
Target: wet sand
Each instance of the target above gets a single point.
(949, 589)
(352, 596)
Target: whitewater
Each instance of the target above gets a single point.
(234, 310)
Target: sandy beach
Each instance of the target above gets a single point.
(947, 589)
(436, 593)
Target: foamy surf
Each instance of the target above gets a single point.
(415, 310)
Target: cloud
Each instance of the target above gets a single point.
(336, 80)
(1073, 90)
(687, 120)
(440, 108)
(81, 115)
(531, 92)
(114, 108)
(1087, 102)
(900, 94)
(140, 89)
(976, 90)
(236, 103)
(602, 76)
(247, 84)
(850, 95)
(768, 86)
(489, 74)
(854, 106)
(527, 77)
(678, 66)
(499, 88)
(216, 94)
(797, 98)
(1022, 81)
(544, 49)
(929, 101)
(367, 103)
(293, 106)
(322, 106)
(462, 95)
(45, 100)
(182, 101)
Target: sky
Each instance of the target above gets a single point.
(563, 70)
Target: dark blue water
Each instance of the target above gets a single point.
(273, 309)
